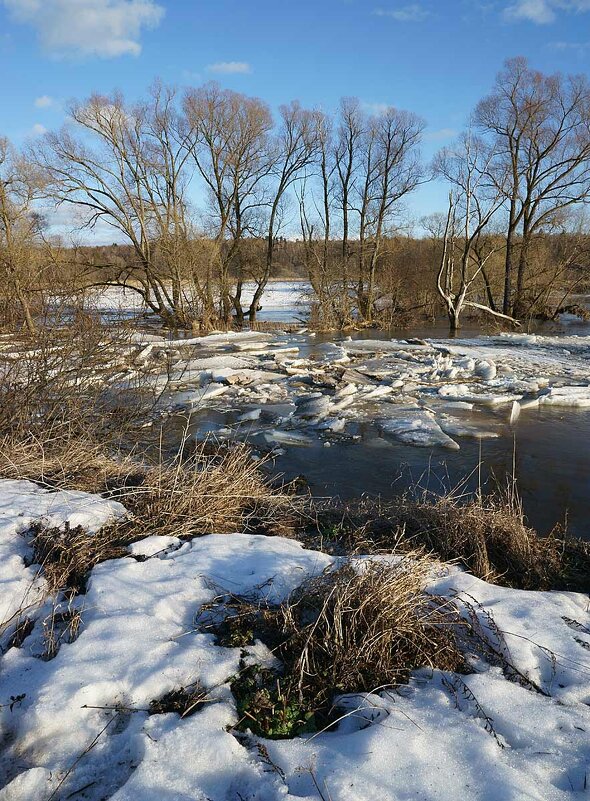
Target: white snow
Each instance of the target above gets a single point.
(23, 504)
(82, 718)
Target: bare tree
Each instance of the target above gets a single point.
(389, 169)
(472, 205)
(232, 152)
(125, 167)
(294, 149)
(350, 133)
(541, 126)
(19, 228)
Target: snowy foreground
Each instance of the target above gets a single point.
(281, 391)
(443, 737)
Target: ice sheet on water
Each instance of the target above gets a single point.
(192, 398)
(418, 428)
(286, 437)
(370, 346)
(572, 397)
(350, 375)
(471, 394)
(330, 353)
(455, 427)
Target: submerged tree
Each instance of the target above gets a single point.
(363, 173)
(389, 169)
(540, 127)
(20, 226)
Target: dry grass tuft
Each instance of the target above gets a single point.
(67, 555)
(358, 629)
(211, 492)
(205, 494)
(489, 536)
(361, 628)
(61, 459)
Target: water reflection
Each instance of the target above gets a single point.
(548, 452)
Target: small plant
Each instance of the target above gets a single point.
(268, 707)
(60, 627)
(185, 701)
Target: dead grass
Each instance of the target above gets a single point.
(488, 535)
(361, 628)
(184, 701)
(366, 626)
(67, 555)
(214, 490)
(206, 494)
(62, 458)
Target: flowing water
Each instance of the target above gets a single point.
(547, 451)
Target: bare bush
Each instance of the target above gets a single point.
(488, 535)
(67, 555)
(361, 628)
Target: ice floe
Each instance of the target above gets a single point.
(464, 383)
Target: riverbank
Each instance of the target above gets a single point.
(177, 624)
(145, 660)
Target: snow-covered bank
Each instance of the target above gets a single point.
(23, 504)
(78, 725)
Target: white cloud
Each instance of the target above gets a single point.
(410, 13)
(377, 109)
(38, 129)
(575, 47)
(45, 101)
(544, 12)
(441, 135)
(103, 28)
(230, 68)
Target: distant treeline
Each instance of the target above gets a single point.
(512, 242)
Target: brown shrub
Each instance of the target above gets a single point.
(489, 536)
(361, 628)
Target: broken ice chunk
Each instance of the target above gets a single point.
(461, 428)
(314, 408)
(486, 370)
(574, 397)
(418, 428)
(286, 437)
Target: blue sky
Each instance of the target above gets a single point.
(434, 57)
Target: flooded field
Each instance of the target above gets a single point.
(368, 416)
(379, 412)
